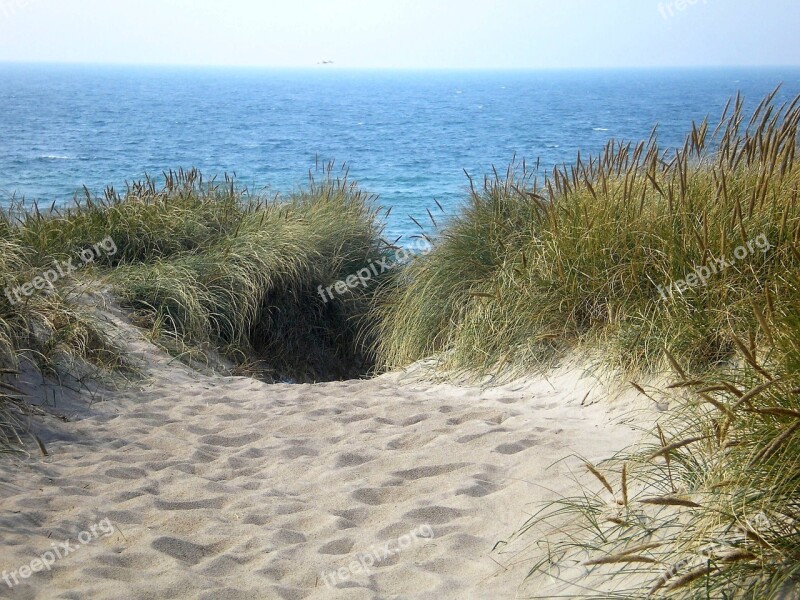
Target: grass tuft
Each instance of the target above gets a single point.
(713, 501)
(208, 268)
(608, 252)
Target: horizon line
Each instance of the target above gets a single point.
(340, 67)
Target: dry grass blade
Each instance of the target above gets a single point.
(663, 439)
(738, 555)
(776, 444)
(749, 356)
(683, 384)
(716, 404)
(676, 446)
(728, 386)
(642, 548)
(624, 484)
(675, 364)
(667, 458)
(621, 558)
(762, 321)
(722, 387)
(778, 412)
(41, 445)
(643, 392)
(756, 391)
(593, 470)
(660, 583)
(691, 576)
(670, 501)
(755, 537)
(11, 388)
(430, 215)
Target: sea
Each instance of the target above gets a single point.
(410, 137)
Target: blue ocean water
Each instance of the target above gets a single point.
(407, 136)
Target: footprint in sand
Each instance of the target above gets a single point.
(258, 520)
(483, 486)
(414, 440)
(353, 418)
(517, 447)
(338, 547)
(126, 473)
(288, 537)
(383, 495)
(298, 452)
(433, 515)
(431, 471)
(476, 436)
(414, 420)
(349, 459)
(490, 417)
(222, 441)
(198, 430)
(355, 515)
(130, 560)
(182, 550)
(215, 503)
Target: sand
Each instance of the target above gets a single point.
(202, 486)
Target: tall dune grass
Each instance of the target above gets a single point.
(531, 267)
(45, 329)
(709, 509)
(206, 266)
(252, 290)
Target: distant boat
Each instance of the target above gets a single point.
(325, 62)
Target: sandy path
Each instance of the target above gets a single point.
(231, 488)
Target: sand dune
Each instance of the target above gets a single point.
(232, 488)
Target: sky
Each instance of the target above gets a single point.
(404, 34)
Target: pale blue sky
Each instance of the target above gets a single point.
(404, 33)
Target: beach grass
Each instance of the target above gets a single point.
(252, 290)
(707, 508)
(46, 330)
(208, 268)
(680, 260)
(592, 255)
